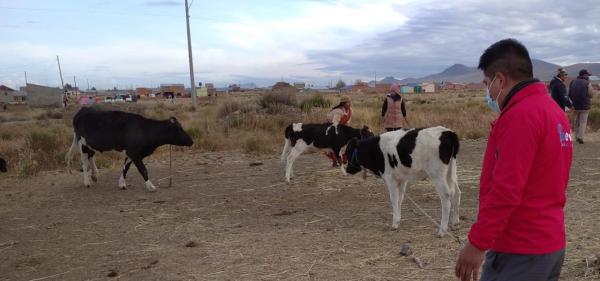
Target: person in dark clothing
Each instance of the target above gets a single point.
(581, 93)
(393, 110)
(558, 90)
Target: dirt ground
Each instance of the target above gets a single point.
(229, 216)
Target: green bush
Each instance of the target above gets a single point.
(195, 133)
(230, 106)
(594, 119)
(314, 101)
(275, 101)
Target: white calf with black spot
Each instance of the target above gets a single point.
(410, 155)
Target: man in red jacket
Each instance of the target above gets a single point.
(521, 221)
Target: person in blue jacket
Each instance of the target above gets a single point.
(558, 90)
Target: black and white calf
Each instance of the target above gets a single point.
(3, 165)
(99, 131)
(402, 156)
(299, 137)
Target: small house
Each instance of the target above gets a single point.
(428, 87)
(42, 96)
(407, 89)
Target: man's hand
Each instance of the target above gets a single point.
(469, 261)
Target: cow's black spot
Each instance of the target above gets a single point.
(406, 145)
(393, 160)
(449, 146)
(371, 156)
(90, 153)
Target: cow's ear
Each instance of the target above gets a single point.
(173, 120)
(354, 142)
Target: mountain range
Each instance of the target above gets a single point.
(460, 73)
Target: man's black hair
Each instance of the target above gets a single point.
(508, 56)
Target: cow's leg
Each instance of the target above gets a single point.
(92, 160)
(455, 191)
(441, 186)
(394, 190)
(85, 162)
(455, 204)
(142, 169)
(126, 165)
(294, 154)
(286, 149)
(340, 158)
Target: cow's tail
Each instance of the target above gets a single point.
(452, 176)
(69, 155)
(288, 143)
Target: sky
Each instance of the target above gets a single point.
(143, 43)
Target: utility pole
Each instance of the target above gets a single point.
(192, 83)
(62, 83)
(376, 79)
(74, 81)
(88, 84)
(25, 78)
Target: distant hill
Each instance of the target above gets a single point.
(460, 73)
(386, 80)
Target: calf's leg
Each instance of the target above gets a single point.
(126, 165)
(294, 154)
(142, 169)
(396, 190)
(445, 193)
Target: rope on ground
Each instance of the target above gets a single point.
(170, 166)
(431, 219)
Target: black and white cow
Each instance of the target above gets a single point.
(299, 137)
(137, 136)
(3, 165)
(402, 156)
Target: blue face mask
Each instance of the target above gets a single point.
(492, 104)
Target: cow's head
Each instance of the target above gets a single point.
(366, 133)
(351, 154)
(3, 166)
(177, 135)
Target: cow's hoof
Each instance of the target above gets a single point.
(394, 227)
(441, 233)
(94, 179)
(123, 187)
(87, 186)
(150, 187)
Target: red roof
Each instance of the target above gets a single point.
(4, 88)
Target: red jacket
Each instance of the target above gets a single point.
(524, 177)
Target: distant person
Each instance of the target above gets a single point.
(340, 114)
(393, 110)
(520, 227)
(581, 93)
(65, 100)
(558, 90)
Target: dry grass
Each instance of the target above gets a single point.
(36, 140)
